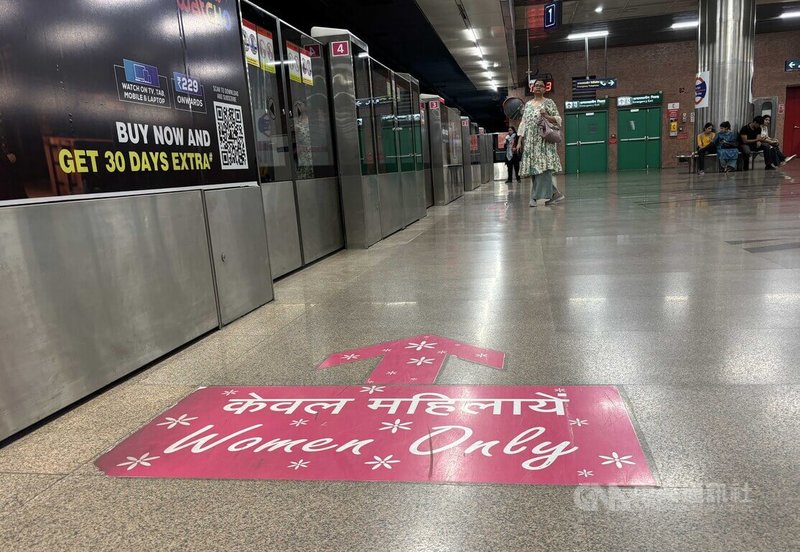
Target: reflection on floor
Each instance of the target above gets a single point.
(682, 290)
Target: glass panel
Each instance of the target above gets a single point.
(417, 124)
(366, 132)
(445, 118)
(426, 156)
(474, 149)
(405, 120)
(454, 123)
(383, 111)
(312, 143)
(266, 97)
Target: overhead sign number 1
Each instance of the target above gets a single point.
(552, 16)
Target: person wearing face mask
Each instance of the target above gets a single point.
(539, 158)
(512, 157)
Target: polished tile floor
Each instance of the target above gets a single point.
(684, 291)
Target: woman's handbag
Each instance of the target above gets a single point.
(551, 132)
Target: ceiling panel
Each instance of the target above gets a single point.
(451, 18)
(631, 22)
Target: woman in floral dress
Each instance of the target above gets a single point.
(539, 158)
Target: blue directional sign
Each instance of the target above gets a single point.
(792, 65)
(595, 84)
(552, 16)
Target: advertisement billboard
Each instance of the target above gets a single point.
(121, 96)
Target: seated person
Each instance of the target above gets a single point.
(773, 143)
(749, 142)
(705, 145)
(727, 147)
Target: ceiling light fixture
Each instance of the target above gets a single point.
(470, 32)
(790, 15)
(598, 9)
(592, 34)
(685, 25)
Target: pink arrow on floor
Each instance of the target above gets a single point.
(415, 360)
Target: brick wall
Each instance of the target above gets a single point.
(671, 68)
(769, 78)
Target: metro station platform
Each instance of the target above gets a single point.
(682, 291)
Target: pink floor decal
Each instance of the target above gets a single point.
(427, 433)
(414, 360)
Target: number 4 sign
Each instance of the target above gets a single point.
(340, 48)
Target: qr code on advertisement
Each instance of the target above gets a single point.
(230, 129)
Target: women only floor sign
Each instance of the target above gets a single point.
(388, 432)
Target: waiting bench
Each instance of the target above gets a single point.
(691, 159)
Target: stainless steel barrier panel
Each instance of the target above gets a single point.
(426, 153)
(289, 96)
(466, 158)
(239, 250)
(314, 160)
(320, 218)
(475, 155)
(391, 194)
(487, 155)
(283, 232)
(384, 114)
(500, 171)
(93, 290)
(404, 132)
(476, 173)
(410, 142)
(435, 129)
(351, 105)
(454, 174)
(268, 98)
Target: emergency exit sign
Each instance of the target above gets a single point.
(792, 65)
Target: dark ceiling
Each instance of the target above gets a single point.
(399, 36)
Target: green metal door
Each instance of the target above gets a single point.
(639, 138)
(593, 130)
(653, 155)
(632, 131)
(571, 144)
(586, 144)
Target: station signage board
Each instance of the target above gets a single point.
(640, 100)
(701, 89)
(791, 65)
(552, 16)
(162, 122)
(582, 105)
(548, 85)
(602, 83)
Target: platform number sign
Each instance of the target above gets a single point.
(313, 50)
(340, 48)
(552, 16)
